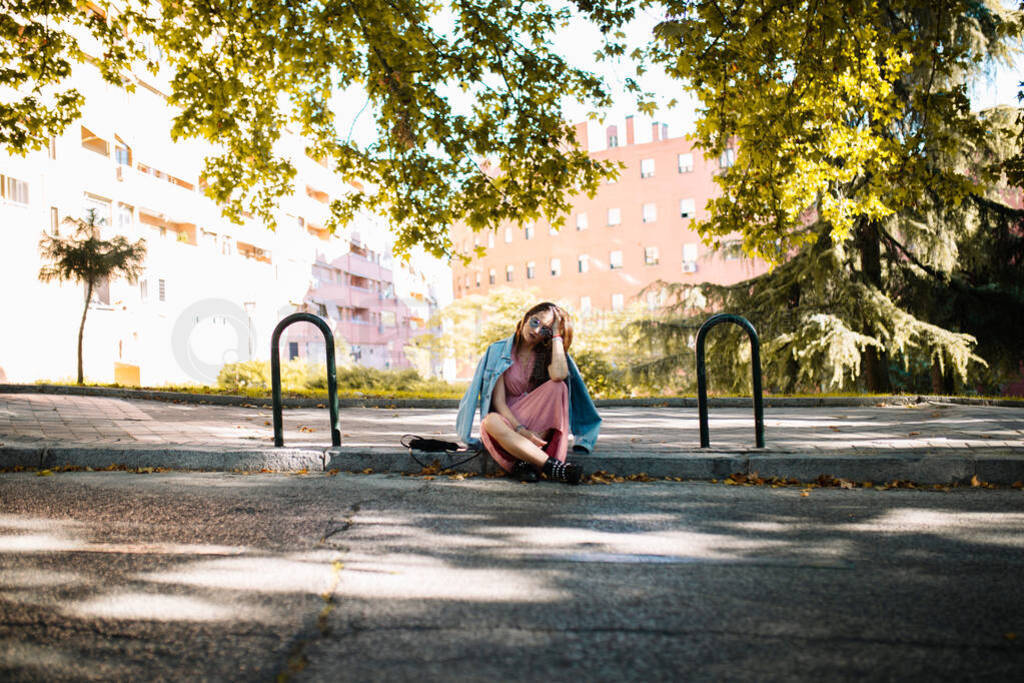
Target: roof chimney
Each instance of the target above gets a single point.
(581, 136)
(629, 130)
(664, 131)
(655, 132)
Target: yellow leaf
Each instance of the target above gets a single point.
(44, 473)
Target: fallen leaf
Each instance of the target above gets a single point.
(833, 428)
(332, 472)
(1017, 485)
(1010, 636)
(804, 494)
(914, 434)
(975, 482)
(368, 470)
(44, 473)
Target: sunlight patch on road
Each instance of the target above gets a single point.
(150, 607)
(255, 574)
(1002, 529)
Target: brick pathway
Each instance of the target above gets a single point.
(927, 428)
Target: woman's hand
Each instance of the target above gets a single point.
(532, 436)
(558, 324)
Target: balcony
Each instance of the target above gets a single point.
(357, 265)
(356, 332)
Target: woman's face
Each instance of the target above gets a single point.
(538, 327)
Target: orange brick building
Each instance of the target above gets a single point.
(633, 232)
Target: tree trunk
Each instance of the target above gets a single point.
(81, 331)
(874, 361)
(792, 370)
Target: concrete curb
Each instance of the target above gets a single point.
(175, 458)
(452, 403)
(997, 466)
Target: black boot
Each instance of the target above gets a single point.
(565, 472)
(524, 471)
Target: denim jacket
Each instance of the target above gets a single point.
(584, 422)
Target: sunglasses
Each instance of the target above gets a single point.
(544, 330)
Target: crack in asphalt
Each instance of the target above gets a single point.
(297, 659)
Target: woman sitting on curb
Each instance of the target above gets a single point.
(530, 395)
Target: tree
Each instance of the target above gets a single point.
(466, 97)
(860, 174)
(471, 323)
(84, 257)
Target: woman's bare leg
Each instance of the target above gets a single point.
(517, 445)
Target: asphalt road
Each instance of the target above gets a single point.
(382, 577)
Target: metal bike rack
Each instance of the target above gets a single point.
(332, 377)
(702, 380)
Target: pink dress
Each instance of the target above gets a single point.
(545, 411)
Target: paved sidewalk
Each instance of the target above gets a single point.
(929, 442)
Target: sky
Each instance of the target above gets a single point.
(578, 43)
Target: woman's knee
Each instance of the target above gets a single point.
(492, 423)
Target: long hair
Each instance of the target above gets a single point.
(542, 351)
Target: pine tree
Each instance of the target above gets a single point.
(862, 175)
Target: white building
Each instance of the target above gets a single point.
(212, 291)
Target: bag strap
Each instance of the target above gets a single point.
(419, 443)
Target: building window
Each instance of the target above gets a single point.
(581, 221)
(531, 270)
(584, 304)
(509, 273)
(650, 256)
(615, 260)
(478, 278)
(54, 220)
(123, 154)
(617, 302)
(646, 168)
(125, 217)
(528, 232)
(690, 252)
(100, 206)
(687, 208)
(52, 147)
(650, 212)
(727, 158)
(144, 290)
(556, 267)
(613, 141)
(490, 241)
(614, 216)
(13, 190)
(685, 163)
(508, 235)
(492, 276)
(583, 263)
(162, 289)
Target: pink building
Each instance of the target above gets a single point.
(355, 294)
